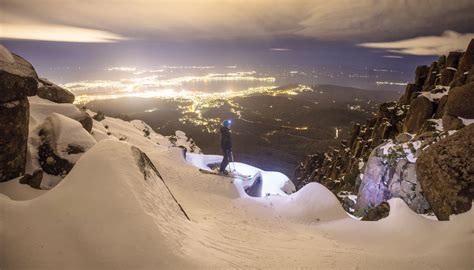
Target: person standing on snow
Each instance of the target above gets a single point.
(226, 146)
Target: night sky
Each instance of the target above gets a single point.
(347, 34)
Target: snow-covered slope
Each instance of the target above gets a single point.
(113, 211)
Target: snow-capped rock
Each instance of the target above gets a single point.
(443, 172)
(53, 92)
(17, 81)
(61, 142)
(6, 55)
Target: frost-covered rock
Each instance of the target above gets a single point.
(181, 140)
(391, 173)
(53, 92)
(17, 81)
(62, 142)
(6, 55)
(446, 175)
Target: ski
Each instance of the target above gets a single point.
(230, 175)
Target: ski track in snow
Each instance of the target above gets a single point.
(104, 215)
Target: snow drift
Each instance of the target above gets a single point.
(117, 209)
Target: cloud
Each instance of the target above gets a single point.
(426, 45)
(51, 32)
(280, 49)
(393, 56)
(346, 20)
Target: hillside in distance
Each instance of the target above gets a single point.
(271, 130)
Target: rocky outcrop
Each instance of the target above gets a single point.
(390, 172)
(431, 79)
(421, 74)
(439, 100)
(53, 92)
(18, 80)
(181, 140)
(460, 101)
(452, 62)
(410, 91)
(421, 109)
(377, 213)
(446, 173)
(465, 65)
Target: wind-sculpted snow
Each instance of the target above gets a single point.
(101, 215)
(113, 211)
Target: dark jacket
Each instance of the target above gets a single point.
(226, 141)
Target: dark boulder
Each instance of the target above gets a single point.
(410, 90)
(421, 109)
(18, 79)
(440, 109)
(447, 74)
(99, 116)
(453, 59)
(14, 117)
(33, 180)
(432, 75)
(53, 92)
(446, 174)
(51, 163)
(86, 121)
(442, 62)
(403, 138)
(460, 101)
(377, 213)
(421, 74)
(451, 122)
(470, 77)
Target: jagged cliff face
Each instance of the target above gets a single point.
(379, 161)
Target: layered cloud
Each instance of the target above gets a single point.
(51, 32)
(426, 45)
(339, 20)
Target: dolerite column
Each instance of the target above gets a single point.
(18, 80)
